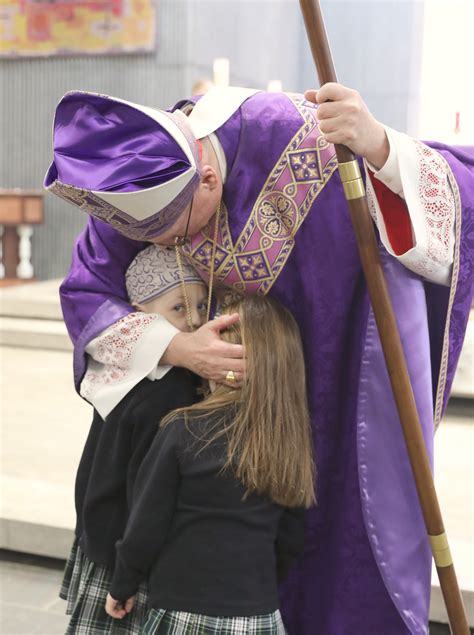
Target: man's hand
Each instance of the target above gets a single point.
(116, 608)
(206, 354)
(345, 119)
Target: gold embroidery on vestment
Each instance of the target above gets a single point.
(275, 216)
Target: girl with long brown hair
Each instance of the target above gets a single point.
(219, 506)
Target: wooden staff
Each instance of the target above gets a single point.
(387, 327)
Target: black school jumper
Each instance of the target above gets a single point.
(112, 455)
(207, 548)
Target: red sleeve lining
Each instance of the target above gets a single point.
(395, 215)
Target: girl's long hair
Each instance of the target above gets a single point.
(268, 432)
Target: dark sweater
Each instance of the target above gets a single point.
(205, 549)
(112, 455)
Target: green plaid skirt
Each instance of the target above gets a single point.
(85, 586)
(163, 622)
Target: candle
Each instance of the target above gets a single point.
(275, 86)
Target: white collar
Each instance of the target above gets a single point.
(216, 107)
(219, 150)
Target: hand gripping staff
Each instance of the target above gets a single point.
(390, 339)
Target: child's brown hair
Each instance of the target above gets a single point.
(269, 434)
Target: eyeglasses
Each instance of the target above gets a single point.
(181, 240)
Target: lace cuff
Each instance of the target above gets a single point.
(122, 356)
(420, 176)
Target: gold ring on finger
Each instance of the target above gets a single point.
(231, 376)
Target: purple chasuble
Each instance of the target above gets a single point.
(366, 567)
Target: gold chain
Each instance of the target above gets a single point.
(189, 317)
(212, 264)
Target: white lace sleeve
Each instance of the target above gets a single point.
(122, 356)
(421, 176)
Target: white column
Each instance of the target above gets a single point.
(2, 268)
(24, 269)
(221, 71)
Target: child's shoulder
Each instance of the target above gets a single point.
(180, 377)
(178, 388)
(201, 426)
(173, 428)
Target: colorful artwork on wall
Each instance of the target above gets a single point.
(75, 27)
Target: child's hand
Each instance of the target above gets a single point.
(116, 608)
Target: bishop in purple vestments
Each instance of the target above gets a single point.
(284, 229)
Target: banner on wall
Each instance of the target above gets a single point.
(31, 28)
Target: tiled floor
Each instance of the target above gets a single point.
(30, 604)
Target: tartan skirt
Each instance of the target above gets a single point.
(163, 622)
(85, 586)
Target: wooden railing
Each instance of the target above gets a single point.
(19, 211)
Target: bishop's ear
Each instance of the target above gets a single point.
(209, 178)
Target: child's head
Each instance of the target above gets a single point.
(270, 443)
(154, 285)
(271, 339)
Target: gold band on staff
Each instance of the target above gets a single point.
(351, 180)
(441, 551)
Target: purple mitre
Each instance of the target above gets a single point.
(134, 167)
